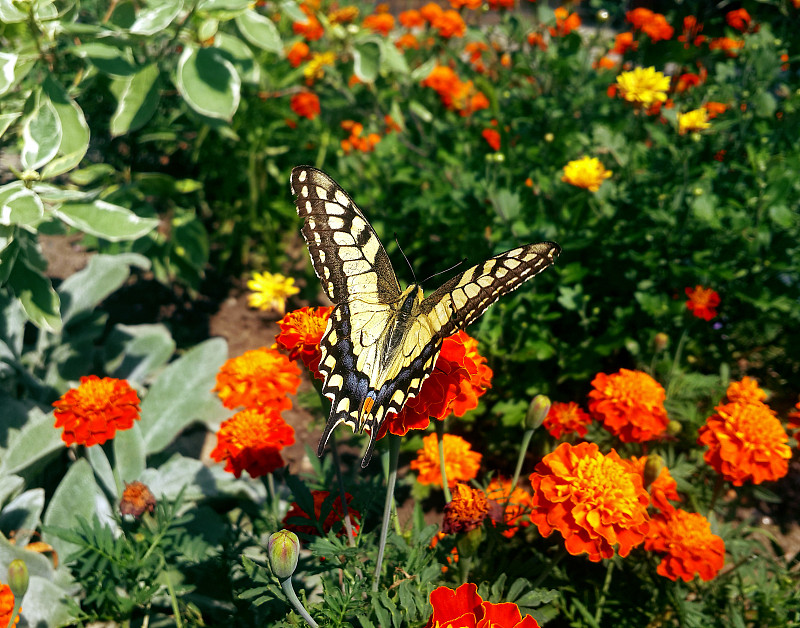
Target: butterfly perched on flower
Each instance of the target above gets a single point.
(381, 342)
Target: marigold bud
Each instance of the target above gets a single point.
(283, 549)
(652, 468)
(537, 411)
(674, 428)
(661, 341)
(18, 577)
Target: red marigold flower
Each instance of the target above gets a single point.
(136, 499)
(93, 412)
(729, 46)
(7, 605)
(464, 608)
(654, 25)
(458, 379)
(301, 332)
(258, 378)
(492, 137)
(702, 302)
(334, 514)
(691, 32)
(738, 19)
(252, 440)
(713, 109)
(687, 80)
(747, 443)
(566, 22)
(467, 510)
(536, 39)
(305, 104)
(624, 42)
(461, 464)
(298, 53)
(745, 391)
(382, 23)
(689, 548)
(411, 18)
(516, 504)
(566, 418)
(311, 29)
(596, 502)
(630, 404)
(662, 488)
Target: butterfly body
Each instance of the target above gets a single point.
(381, 343)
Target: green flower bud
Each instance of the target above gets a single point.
(652, 468)
(283, 549)
(674, 428)
(468, 543)
(537, 411)
(18, 578)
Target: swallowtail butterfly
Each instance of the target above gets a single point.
(381, 342)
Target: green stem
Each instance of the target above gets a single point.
(391, 477)
(173, 600)
(440, 438)
(598, 614)
(273, 497)
(288, 589)
(523, 449)
(337, 465)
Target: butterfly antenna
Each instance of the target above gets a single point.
(446, 270)
(407, 262)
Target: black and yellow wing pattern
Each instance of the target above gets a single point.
(381, 343)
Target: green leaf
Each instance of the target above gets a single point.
(291, 10)
(392, 59)
(91, 174)
(19, 205)
(34, 442)
(208, 83)
(105, 220)
(41, 134)
(8, 60)
(129, 454)
(182, 394)
(134, 352)
(36, 295)
(74, 130)
(137, 100)
(46, 602)
(366, 61)
(22, 514)
(240, 55)
(156, 16)
(260, 31)
(6, 119)
(103, 472)
(108, 59)
(9, 14)
(103, 275)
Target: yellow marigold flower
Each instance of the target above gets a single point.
(643, 86)
(315, 68)
(586, 172)
(466, 511)
(694, 120)
(745, 391)
(270, 291)
(257, 378)
(461, 463)
(597, 502)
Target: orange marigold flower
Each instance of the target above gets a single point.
(492, 138)
(729, 46)
(458, 379)
(136, 499)
(624, 42)
(469, 4)
(745, 391)
(630, 404)
(407, 41)
(411, 18)
(596, 502)
(516, 504)
(691, 32)
(687, 80)
(689, 548)
(464, 607)
(536, 39)
(298, 53)
(460, 463)
(7, 605)
(252, 440)
(738, 19)
(604, 63)
(566, 22)
(305, 104)
(93, 412)
(713, 109)
(345, 15)
(382, 23)
(747, 443)
(566, 418)
(662, 488)
(702, 302)
(300, 333)
(258, 378)
(467, 510)
(311, 29)
(324, 504)
(654, 25)
(449, 24)
(430, 12)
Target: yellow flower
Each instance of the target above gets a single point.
(315, 67)
(586, 172)
(270, 291)
(643, 85)
(694, 120)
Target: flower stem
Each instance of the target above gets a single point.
(598, 614)
(273, 496)
(337, 465)
(288, 589)
(391, 477)
(523, 449)
(440, 438)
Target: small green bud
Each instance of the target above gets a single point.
(674, 428)
(537, 411)
(283, 549)
(469, 542)
(18, 578)
(652, 468)
(661, 341)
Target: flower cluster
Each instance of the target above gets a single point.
(457, 95)
(92, 413)
(356, 141)
(464, 607)
(654, 25)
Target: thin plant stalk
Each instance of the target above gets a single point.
(598, 614)
(337, 465)
(391, 478)
(440, 438)
(273, 495)
(288, 589)
(523, 449)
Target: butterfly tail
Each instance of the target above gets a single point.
(333, 421)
